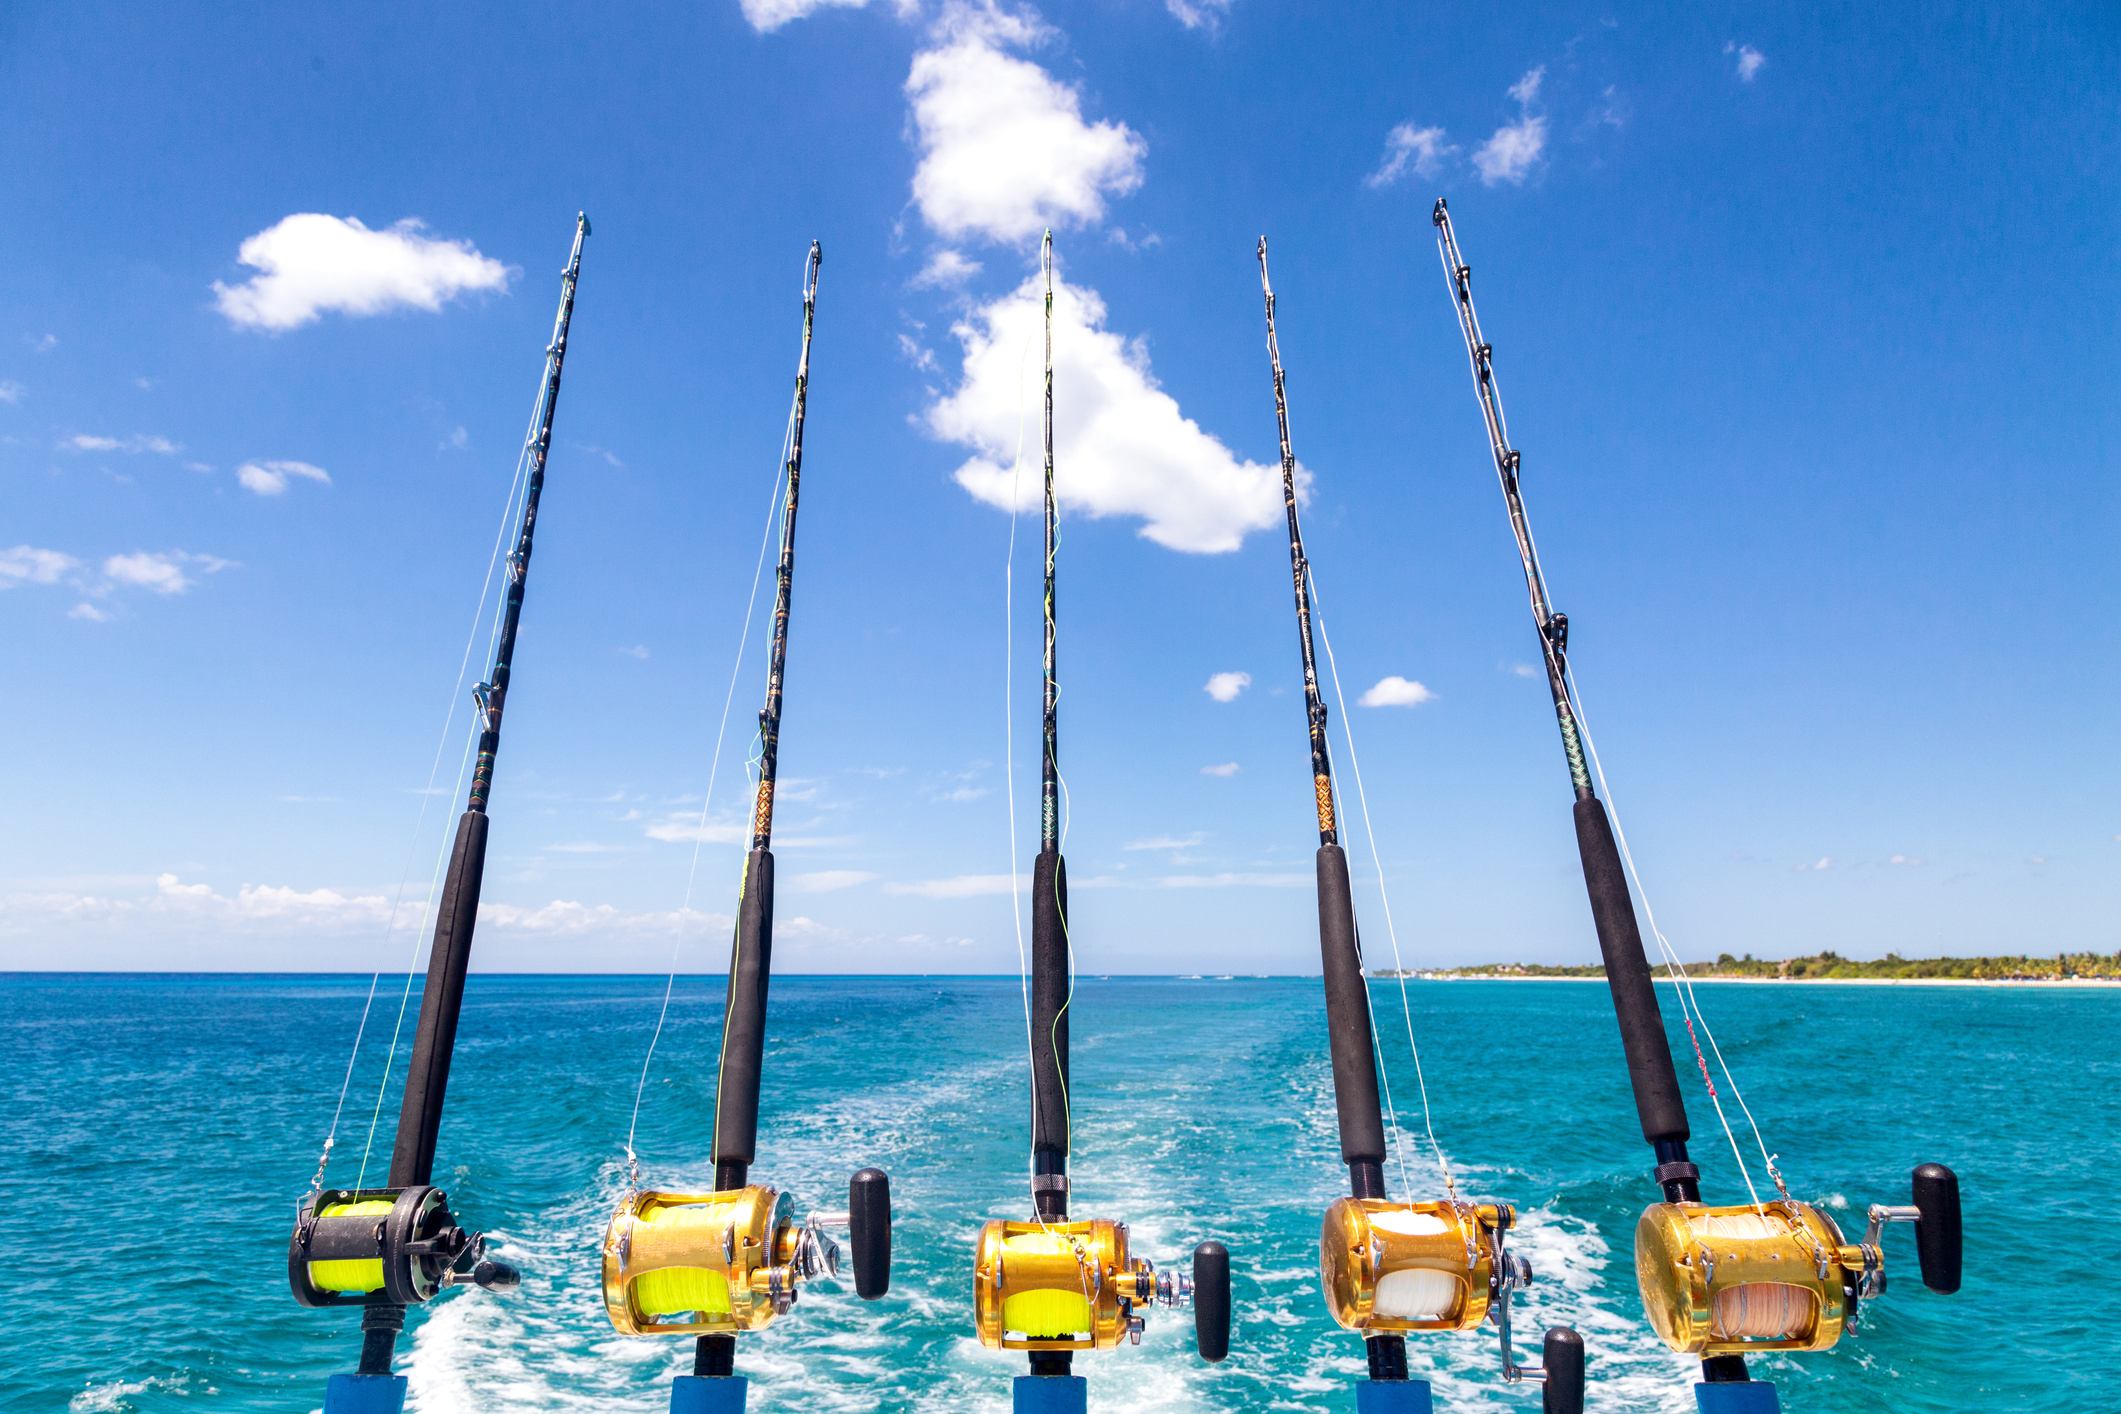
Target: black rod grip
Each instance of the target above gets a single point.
(1362, 1121)
(1563, 1362)
(736, 1100)
(1211, 1300)
(1937, 1237)
(427, 1079)
(1049, 1017)
(1627, 972)
(869, 1232)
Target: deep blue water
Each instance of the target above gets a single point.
(158, 1131)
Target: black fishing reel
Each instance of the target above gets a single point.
(385, 1247)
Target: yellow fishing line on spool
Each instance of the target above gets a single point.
(357, 1274)
(1044, 1315)
(670, 1290)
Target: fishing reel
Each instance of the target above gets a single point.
(1074, 1286)
(735, 1260)
(385, 1247)
(1780, 1276)
(1388, 1268)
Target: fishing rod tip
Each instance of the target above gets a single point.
(581, 219)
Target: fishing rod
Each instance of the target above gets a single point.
(1051, 1286)
(1717, 1283)
(384, 1249)
(1390, 1268)
(713, 1265)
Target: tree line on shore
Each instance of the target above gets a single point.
(1830, 966)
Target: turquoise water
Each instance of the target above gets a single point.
(159, 1130)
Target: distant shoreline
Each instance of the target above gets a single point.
(1779, 981)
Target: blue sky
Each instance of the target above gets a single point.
(1805, 324)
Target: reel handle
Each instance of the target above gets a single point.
(869, 1232)
(1211, 1300)
(1937, 1234)
(1562, 1358)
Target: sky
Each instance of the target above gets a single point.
(1804, 319)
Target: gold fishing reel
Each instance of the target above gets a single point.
(1063, 1285)
(1780, 1276)
(734, 1260)
(1391, 1267)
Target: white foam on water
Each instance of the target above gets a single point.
(111, 1398)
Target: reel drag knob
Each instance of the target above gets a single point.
(869, 1232)
(1937, 1235)
(1211, 1300)
(1562, 1359)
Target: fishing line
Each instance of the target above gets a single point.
(1016, 908)
(1391, 932)
(1689, 1007)
(773, 514)
(419, 823)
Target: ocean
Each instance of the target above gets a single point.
(160, 1129)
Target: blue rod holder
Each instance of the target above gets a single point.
(707, 1394)
(1052, 1394)
(364, 1394)
(1393, 1397)
(1737, 1397)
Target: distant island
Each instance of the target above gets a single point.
(1825, 967)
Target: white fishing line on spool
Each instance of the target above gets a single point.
(775, 507)
(516, 488)
(1376, 862)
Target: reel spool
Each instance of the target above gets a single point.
(735, 1260)
(1074, 1286)
(384, 1247)
(1390, 1267)
(1732, 1281)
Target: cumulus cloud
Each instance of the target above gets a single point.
(26, 564)
(1395, 691)
(137, 443)
(1224, 687)
(1121, 445)
(1750, 60)
(1408, 147)
(1004, 148)
(1198, 14)
(944, 269)
(310, 264)
(687, 829)
(11, 392)
(766, 16)
(1235, 881)
(1511, 153)
(963, 886)
(162, 573)
(88, 612)
(270, 478)
(1228, 768)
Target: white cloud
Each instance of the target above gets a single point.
(456, 441)
(11, 392)
(1228, 768)
(138, 442)
(1168, 842)
(1233, 881)
(26, 564)
(1422, 149)
(42, 345)
(766, 16)
(270, 478)
(312, 263)
(162, 573)
(1509, 155)
(963, 886)
(587, 847)
(1750, 60)
(1395, 691)
(825, 881)
(1198, 14)
(917, 354)
(1907, 860)
(1004, 148)
(945, 268)
(1224, 687)
(639, 650)
(1121, 445)
(686, 829)
(88, 611)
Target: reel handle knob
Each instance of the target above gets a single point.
(1937, 1236)
(1211, 1300)
(1563, 1361)
(869, 1232)
(496, 1276)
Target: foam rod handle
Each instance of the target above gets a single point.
(1627, 972)
(427, 1079)
(1362, 1123)
(1211, 1300)
(736, 1103)
(869, 1232)
(1937, 1236)
(1563, 1359)
(1049, 1001)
